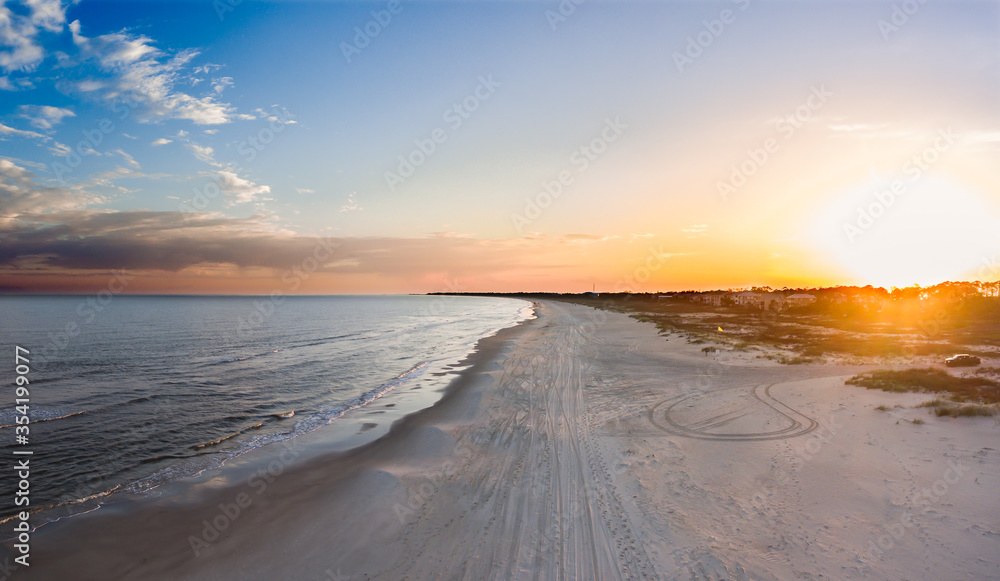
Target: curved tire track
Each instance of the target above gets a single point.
(801, 424)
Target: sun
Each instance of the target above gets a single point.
(902, 232)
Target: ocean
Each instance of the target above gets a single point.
(130, 392)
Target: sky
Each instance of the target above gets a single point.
(252, 147)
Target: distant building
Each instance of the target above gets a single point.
(762, 301)
(800, 300)
(748, 299)
(714, 299)
(773, 302)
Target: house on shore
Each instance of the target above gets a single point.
(800, 300)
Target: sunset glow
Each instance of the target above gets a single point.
(441, 156)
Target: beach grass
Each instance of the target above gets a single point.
(959, 389)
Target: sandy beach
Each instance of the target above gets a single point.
(583, 445)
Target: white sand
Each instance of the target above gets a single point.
(599, 450)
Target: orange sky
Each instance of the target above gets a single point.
(804, 146)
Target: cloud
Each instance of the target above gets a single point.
(108, 177)
(5, 130)
(241, 190)
(44, 116)
(128, 158)
(278, 115)
(18, 33)
(20, 193)
(142, 240)
(304, 191)
(161, 141)
(54, 147)
(18, 39)
(60, 149)
(219, 85)
(206, 68)
(6, 84)
(89, 85)
(140, 73)
(49, 14)
(589, 237)
(351, 205)
(204, 153)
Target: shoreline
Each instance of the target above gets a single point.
(542, 461)
(254, 472)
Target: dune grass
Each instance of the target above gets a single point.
(972, 388)
(968, 396)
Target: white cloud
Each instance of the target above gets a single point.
(105, 178)
(49, 14)
(219, 85)
(206, 68)
(60, 149)
(161, 141)
(7, 84)
(21, 194)
(18, 33)
(44, 116)
(695, 230)
(5, 130)
(128, 158)
(204, 153)
(241, 190)
(146, 75)
(55, 147)
(90, 85)
(278, 114)
(351, 204)
(305, 191)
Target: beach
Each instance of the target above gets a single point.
(583, 445)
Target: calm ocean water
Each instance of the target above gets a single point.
(153, 389)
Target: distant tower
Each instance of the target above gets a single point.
(595, 287)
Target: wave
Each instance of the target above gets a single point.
(218, 441)
(243, 358)
(304, 426)
(39, 414)
(33, 413)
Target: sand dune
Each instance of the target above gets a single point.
(582, 445)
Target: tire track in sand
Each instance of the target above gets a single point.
(664, 417)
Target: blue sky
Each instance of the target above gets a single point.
(199, 88)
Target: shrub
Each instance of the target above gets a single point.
(969, 388)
